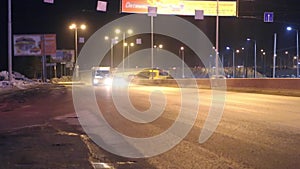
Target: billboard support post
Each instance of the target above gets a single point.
(44, 60)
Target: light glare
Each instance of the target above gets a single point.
(83, 27)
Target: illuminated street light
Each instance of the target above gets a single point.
(160, 46)
(82, 27)
(263, 61)
(128, 45)
(289, 28)
(157, 48)
(181, 50)
(295, 60)
(117, 31)
(233, 60)
(112, 42)
(129, 32)
(255, 66)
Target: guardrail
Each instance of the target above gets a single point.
(282, 86)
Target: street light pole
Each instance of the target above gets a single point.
(112, 42)
(255, 66)
(129, 45)
(297, 48)
(255, 57)
(275, 55)
(123, 56)
(9, 42)
(76, 54)
(76, 45)
(217, 40)
(297, 66)
(151, 17)
(74, 26)
(233, 61)
(129, 31)
(182, 61)
(111, 53)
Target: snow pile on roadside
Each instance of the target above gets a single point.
(18, 81)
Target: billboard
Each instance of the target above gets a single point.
(27, 45)
(180, 7)
(32, 45)
(63, 56)
(50, 44)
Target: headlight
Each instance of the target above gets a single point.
(108, 81)
(96, 81)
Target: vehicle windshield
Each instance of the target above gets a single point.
(102, 73)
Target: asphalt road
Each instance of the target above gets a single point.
(255, 131)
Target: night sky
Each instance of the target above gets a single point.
(36, 17)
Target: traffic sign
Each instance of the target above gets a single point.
(268, 16)
(49, 1)
(101, 6)
(199, 14)
(152, 11)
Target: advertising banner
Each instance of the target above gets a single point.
(50, 44)
(33, 45)
(27, 45)
(180, 7)
(61, 56)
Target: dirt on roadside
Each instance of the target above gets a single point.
(28, 138)
(39, 130)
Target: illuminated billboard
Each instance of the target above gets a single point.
(63, 56)
(180, 7)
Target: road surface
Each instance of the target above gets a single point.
(256, 131)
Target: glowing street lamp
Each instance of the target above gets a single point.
(128, 45)
(289, 28)
(82, 27)
(181, 50)
(112, 42)
(157, 48)
(160, 46)
(255, 66)
(233, 60)
(129, 32)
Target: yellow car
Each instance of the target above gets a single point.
(153, 74)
